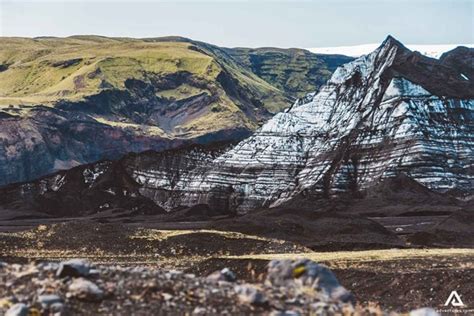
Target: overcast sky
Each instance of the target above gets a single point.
(252, 23)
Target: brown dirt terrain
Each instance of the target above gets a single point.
(118, 243)
(399, 284)
(397, 279)
(456, 229)
(321, 231)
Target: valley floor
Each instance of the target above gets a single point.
(396, 279)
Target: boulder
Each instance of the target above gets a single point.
(19, 309)
(73, 268)
(249, 294)
(223, 275)
(85, 290)
(307, 273)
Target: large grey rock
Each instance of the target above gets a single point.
(47, 300)
(18, 309)
(85, 290)
(307, 273)
(222, 275)
(73, 268)
(249, 294)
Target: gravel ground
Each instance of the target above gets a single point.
(77, 288)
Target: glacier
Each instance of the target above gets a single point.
(388, 112)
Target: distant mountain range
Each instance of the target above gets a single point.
(434, 51)
(389, 133)
(70, 101)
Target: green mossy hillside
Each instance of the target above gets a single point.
(184, 88)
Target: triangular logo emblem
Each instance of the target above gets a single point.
(454, 299)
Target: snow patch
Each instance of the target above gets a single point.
(401, 87)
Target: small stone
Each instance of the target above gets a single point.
(73, 268)
(48, 266)
(19, 309)
(199, 311)
(424, 312)
(85, 290)
(47, 300)
(6, 302)
(93, 273)
(320, 307)
(284, 313)
(250, 295)
(173, 274)
(167, 296)
(56, 307)
(223, 275)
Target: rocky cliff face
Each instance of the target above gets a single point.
(390, 112)
(48, 140)
(108, 187)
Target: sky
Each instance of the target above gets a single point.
(250, 23)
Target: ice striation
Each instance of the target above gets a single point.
(389, 112)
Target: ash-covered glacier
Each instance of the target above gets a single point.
(390, 112)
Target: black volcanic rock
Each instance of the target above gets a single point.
(80, 191)
(397, 196)
(442, 78)
(110, 187)
(462, 59)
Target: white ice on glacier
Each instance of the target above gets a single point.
(403, 87)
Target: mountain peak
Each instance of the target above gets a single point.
(443, 78)
(390, 40)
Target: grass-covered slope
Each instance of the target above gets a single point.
(235, 86)
(49, 71)
(294, 71)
